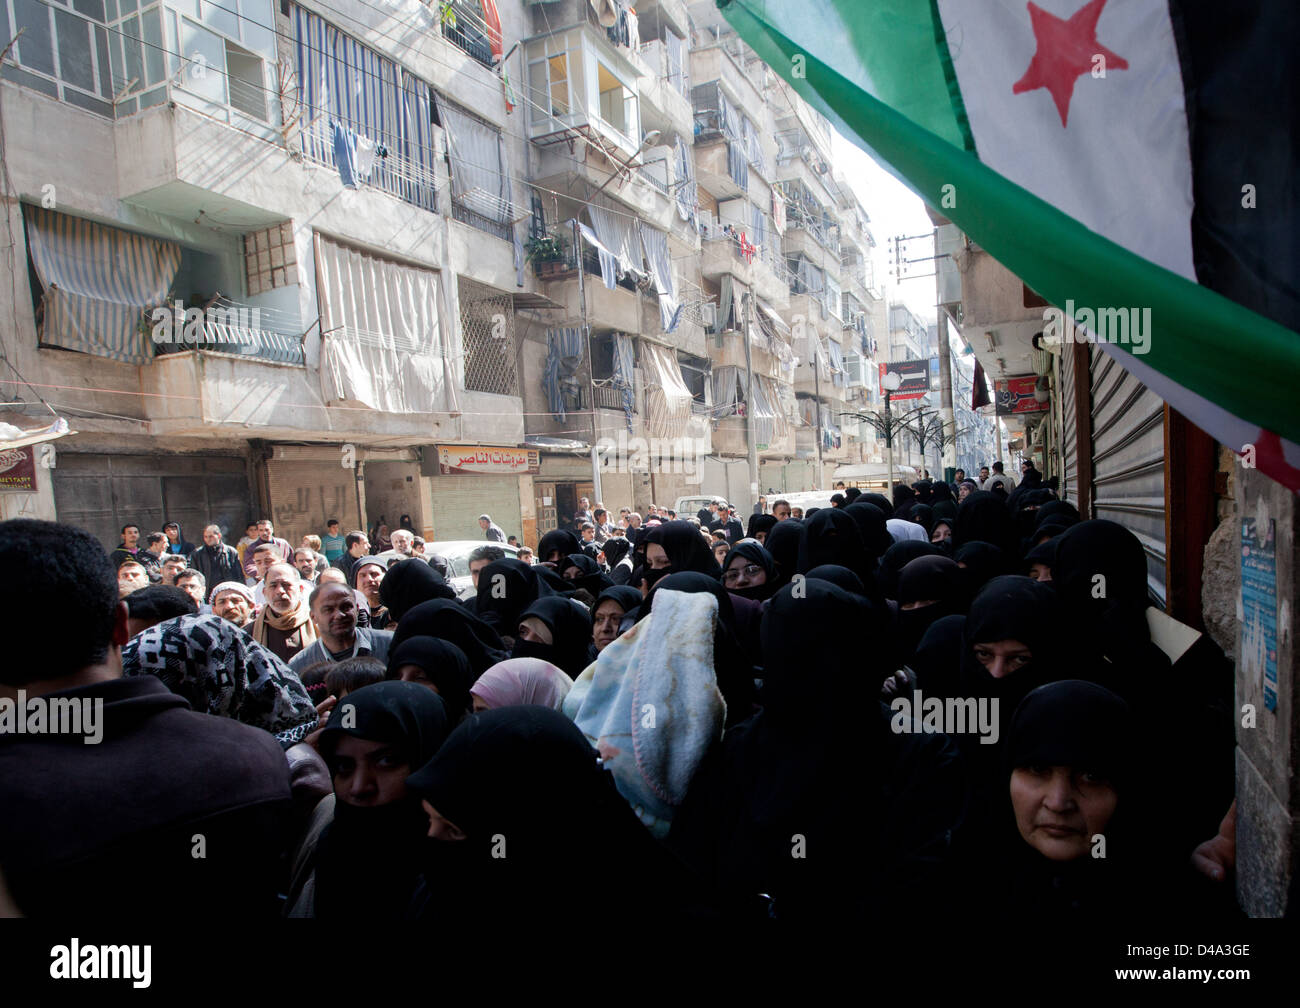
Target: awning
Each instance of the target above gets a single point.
(533, 301)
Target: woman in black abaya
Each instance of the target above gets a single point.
(557, 630)
(749, 571)
(438, 666)
(784, 543)
(929, 588)
(832, 537)
(452, 622)
(674, 547)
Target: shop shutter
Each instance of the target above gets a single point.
(101, 493)
(459, 500)
(1128, 456)
(306, 492)
(1069, 429)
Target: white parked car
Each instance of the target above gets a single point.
(456, 552)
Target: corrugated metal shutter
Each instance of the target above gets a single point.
(101, 493)
(1129, 460)
(459, 500)
(1069, 429)
(308, 487)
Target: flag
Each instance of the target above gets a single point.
(1117, 156)
(979, 390)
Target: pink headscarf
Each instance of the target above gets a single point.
(522, 681)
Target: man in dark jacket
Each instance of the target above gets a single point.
(216, 561)
(358, 546)
(128, 548)
(77, 838)
(176, 541)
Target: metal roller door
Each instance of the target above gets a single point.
(1070, 489)
(307, 487)
(459, 500)
(1128, 460)
(101, 493)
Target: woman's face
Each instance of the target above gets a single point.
(720, 551)
(368, 774)
(743, 573)
(963, 492)
(1003, 658)
(417, 675)
(761, 537)
(440, 828)
(605, 623)
(941, 533)
(1060, 809)
(656, 557)
(479, 705)
(1040, 572)
(572, 573)
(533, 629)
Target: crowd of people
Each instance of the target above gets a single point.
(957, 700)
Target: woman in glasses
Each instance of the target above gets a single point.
(749, 571)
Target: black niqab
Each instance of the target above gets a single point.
(570, 626)
(443, 664)
(452, 622)
(408, 583)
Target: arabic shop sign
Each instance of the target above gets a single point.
(461, 459)
(17, 470)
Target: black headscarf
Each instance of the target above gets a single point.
(904, 498)
(896, 558)
(507, 587)
(558, 540)
(443, 664)
(871, 524)
(685, 547)
(924, 491)
(570, 626)
(591, 578)
(983, 562)
(1044, 553)
(627, 598)
(1011, 607)
(1076, 724)
(385, 842)
(784, 543)
(527, 776)
(926, 577)
(983, 517)
(452, 622)
(841, 577)
(850, 495)
(832, 537)
(1059, 511)
(408, 583)
(923, 515)
(753, 552)
(615, 549)
(759, 523)
(881, 501)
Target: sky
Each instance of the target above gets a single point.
(894, 210)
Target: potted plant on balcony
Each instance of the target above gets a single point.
(546, 253)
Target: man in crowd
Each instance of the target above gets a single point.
(264, 556)
(151, 556)
(358, 546)
(172, 564)
(984, 476)
(304, 559)
(195, 585)
(525, 554)
(78, 837)
(153, 604)
(131, 576)
(332, 543)
(403, 547)
(266, 535)
(633, 527)
(176, 542)
(1008, 484)
(492, 531)
(587, 534)
(216, 561)
(603, 525)
(128, 547)
(781, 510)
(334, 613)
(367, 575)
(233, 602)
(728, 524)
(481, 557)
(959, 475)
(284, 624)
(417, 548)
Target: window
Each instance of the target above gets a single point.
(487, 320)
(548, 80)
(616, 102)
(63, 51)
(247, 89)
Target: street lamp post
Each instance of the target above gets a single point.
(890, 383)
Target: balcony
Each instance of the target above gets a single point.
(665, 96)
(229, 328)
(463, 26)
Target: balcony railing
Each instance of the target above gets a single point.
(231, 328)
(463, 27)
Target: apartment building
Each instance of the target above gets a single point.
(336, 258)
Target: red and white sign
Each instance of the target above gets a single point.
(17, 470)
(463, 459)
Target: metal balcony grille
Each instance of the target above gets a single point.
(487, 321)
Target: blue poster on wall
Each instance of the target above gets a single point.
(1259, 604)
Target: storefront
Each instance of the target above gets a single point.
(469, 480)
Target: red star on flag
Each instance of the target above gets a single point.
(1066, 50)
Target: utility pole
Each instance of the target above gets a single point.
(817, 406)
(750, 439)
(591, 373)
(945, 388)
